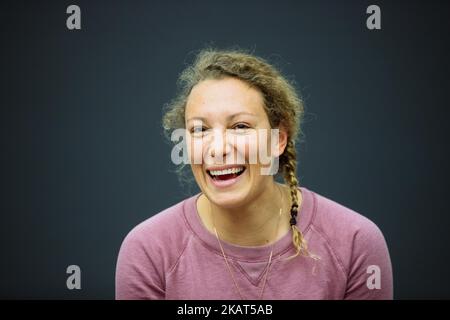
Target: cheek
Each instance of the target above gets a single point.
(246, 149)
(256, 148)
(196, 170)
(195, 150)
(267, 151)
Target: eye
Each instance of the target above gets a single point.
(241, 126)
(197, 129)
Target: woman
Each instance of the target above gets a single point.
(245, 235)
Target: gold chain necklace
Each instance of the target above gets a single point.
(268, 263)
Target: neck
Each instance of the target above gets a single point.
(253, 224)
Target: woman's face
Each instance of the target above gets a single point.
(225, 123)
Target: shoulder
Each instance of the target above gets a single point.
(160, 238)
(348, 233)
(149, 251)
(336, 220)
(359, 247)
(160, 223)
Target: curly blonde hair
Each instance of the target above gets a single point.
(281, 103)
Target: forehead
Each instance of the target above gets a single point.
(224, 96)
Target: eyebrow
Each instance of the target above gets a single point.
(232, 116)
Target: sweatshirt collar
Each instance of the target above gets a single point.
(249, 253)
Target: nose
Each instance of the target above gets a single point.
(219, 146)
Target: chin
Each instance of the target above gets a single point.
(228, 201)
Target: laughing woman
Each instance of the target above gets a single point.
(245, 235)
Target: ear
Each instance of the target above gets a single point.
(282, 140)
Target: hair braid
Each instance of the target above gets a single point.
(290, 176)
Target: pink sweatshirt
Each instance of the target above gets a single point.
(172, 255)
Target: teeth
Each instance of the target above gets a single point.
(226, 171)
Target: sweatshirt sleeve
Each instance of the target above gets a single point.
(137, 275)
(370, 269)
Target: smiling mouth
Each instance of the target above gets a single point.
(226, 174)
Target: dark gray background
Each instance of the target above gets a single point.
(83, 158)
